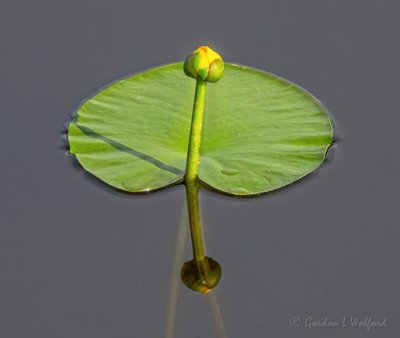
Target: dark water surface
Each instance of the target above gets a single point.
(80, 260)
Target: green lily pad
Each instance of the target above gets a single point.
(260, 132)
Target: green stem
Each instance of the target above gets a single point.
(193, 157)
(192, 166)
(192, 195)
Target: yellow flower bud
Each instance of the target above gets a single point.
(204, 64)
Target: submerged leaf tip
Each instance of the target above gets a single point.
(204, 64)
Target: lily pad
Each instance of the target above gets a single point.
(260, 132)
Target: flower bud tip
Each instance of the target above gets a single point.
(204, 64)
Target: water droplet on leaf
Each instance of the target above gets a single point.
(229, 172)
